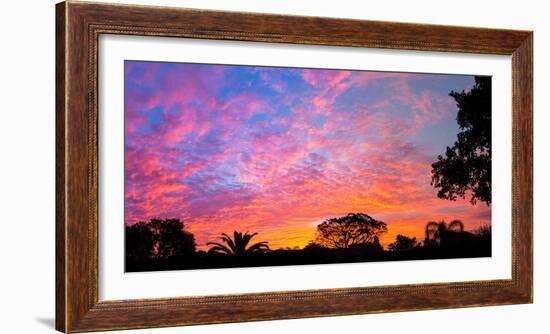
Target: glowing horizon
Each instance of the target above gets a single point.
(278, 150)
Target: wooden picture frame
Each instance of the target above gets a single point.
(78, 26)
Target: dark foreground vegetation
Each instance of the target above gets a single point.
(165, 245)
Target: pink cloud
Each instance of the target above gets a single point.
(223, 152)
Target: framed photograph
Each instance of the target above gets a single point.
(222, 166)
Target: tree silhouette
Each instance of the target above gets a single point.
(350, 230)
(466, 166)
(313, 247)
(483, 236)
(238, 246)
(139, 242)
(438, 233)
(483, 232)
(403, 243)
(170, 238)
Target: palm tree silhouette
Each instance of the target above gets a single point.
(436, 231)
(456, 226)
(238, 245)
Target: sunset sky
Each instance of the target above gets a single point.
(279, 150)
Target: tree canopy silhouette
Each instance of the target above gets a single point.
(402, 243)
(140, 242)
(437, 233)
(466, 166)
(158, 238)
(171, 240)
(238, 246)
(350, 230)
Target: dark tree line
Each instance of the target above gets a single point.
(164, 244)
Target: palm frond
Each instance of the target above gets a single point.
(456, 226)
(229, 242)
(219, 248)
(237, 246)
(258, 247)
(431, 228)
(247, 236)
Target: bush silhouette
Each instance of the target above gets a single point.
(403, 243)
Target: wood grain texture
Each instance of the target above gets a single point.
(60, 99)
(78, 27)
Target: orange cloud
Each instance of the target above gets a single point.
(277, 151)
